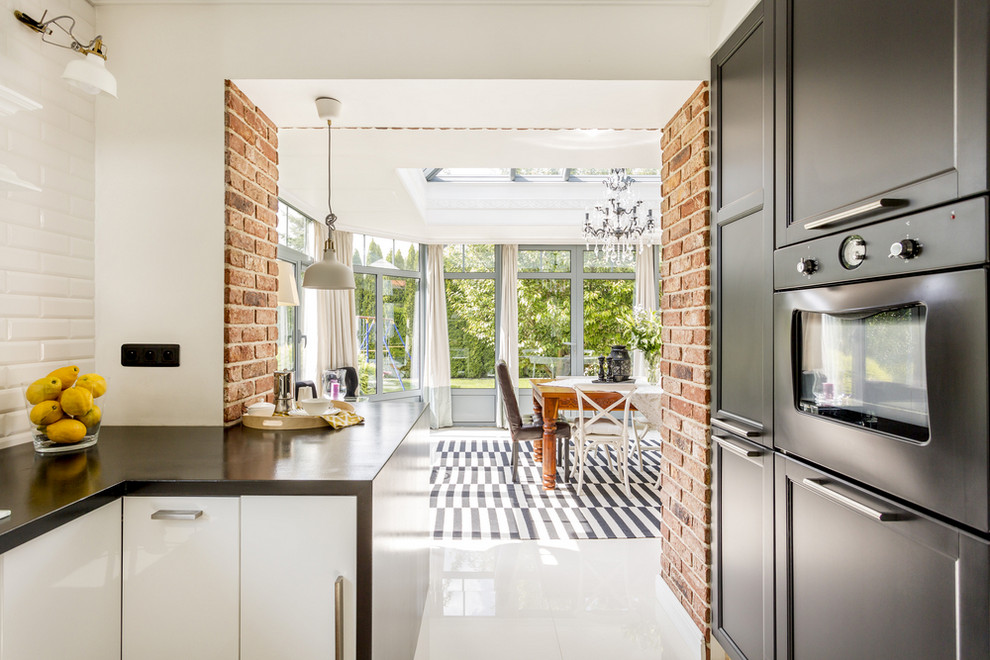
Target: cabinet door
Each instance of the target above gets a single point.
(742, 595)
(61, 591)
(860, 577)
(742, 105)
(293, 549)
(743, 323)
(180, 591)
(881, 100)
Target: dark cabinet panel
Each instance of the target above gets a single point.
(871, 107)
(742, 351)
(860, 577)
(742, 597)
(740, 134)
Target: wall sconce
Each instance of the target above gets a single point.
(89, 74)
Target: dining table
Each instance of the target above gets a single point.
(551, 397)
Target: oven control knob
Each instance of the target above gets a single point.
(906, 249)
(807, 266)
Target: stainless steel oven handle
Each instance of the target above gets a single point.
(819, 486)
(883, 202)
(737, 448)
(738, 429)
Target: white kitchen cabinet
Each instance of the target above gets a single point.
(293, 549)
(61, 591)
(180, 590)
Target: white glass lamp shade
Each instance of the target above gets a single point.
(287, 292)
(90, 75)
(329, 273)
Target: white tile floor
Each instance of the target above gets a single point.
(547, 600)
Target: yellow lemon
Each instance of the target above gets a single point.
(95, 383)
(92, 418)
(44, 389)
(46, 412)
(66, 430)
(67, 375)
(76, 401)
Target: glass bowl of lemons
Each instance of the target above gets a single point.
(63, 410)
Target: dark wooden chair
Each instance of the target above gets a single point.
(521, 432)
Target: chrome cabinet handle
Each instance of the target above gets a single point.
(819, 486)
(338, 617)
(736, 448)
(177, 514)
(883, 202)
(738, 429)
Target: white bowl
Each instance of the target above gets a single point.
(315, 406)
(261, 409)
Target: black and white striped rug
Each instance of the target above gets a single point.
(473, 496)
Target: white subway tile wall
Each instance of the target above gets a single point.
(46, 239)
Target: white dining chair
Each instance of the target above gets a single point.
(604, 425)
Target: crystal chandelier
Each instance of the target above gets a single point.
(614, 226)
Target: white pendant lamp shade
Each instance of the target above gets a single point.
(90, 75)
(329, 273)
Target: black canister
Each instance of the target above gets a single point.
(621, 363)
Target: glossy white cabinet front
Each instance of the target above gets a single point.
(61, 591)
(180, 594)
(292, 550)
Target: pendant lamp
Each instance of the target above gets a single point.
(328, 273)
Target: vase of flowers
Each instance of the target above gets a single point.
(644, 332)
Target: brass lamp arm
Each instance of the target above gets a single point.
(96, 46)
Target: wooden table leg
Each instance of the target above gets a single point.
(537, 446)
(549, 440)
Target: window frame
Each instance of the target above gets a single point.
(420, 323)
(494, 274)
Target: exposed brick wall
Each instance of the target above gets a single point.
(250, 270)
(686, 366)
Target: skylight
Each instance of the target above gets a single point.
(545, 174)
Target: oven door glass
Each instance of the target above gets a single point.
(865, 368)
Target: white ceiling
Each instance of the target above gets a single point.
(387, 126)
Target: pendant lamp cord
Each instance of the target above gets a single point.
(331, 216)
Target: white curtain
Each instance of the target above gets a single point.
(645, 295)
(336, 312)
(508, 329)
(436, 349)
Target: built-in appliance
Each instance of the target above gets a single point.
(881, 358)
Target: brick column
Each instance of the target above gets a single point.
(250, 270)
(686, 365)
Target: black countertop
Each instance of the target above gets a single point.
(45, 491)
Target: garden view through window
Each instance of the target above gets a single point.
(569, 302)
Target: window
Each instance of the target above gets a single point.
(294, 240)
(471, 314)
(400, 301)
(387, 274)
(570, 300)
(544, 329)
(366, 304)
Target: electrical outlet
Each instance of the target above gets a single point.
(149, 355)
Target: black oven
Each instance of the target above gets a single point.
(880, 361)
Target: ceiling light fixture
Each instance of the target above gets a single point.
(614, 225)
(89, 74)
(329, 273)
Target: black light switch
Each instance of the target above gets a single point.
(149, 355)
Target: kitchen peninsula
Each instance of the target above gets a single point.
(372, 478)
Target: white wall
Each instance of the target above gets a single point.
(47, 238)
(160, 186)
(726, 15)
